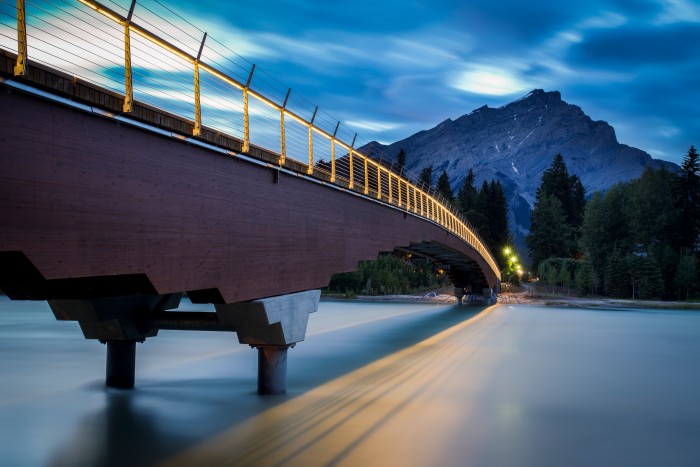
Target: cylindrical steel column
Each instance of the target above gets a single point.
(272, 369)
(121, 364)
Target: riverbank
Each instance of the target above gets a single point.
(522, 295)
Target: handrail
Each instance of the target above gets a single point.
(421, 201)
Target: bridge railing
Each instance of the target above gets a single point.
(142, 55)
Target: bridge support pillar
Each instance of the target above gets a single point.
(119, 322)
(271, 325)
(272, 369)
(121, 364)
(459, 294)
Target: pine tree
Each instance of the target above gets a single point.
(686, 276)
(549, 231)
(498, 217)
(557, 182)
(426, 176)
(577, 203)
(401, 161)
(570, 194)
(586, 281)
(616, 277)
(687, 191)
(466, 197)
(443, 186)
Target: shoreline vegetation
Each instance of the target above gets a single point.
(524, 295)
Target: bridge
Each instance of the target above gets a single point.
(118, 196)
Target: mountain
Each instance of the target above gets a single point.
(517, 142)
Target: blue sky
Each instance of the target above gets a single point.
(396, 67)
(388, 69)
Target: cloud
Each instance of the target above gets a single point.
(678, 11)
(491, 81)
(373, 126)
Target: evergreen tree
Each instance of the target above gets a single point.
(401, 161)
(586, 281)
(687, 190)
(570, 194)
(498, 217)
(644, 276)
(578, 204)
(443, 186)
(479, 215)
(593, 237)
(686, 280)
(616, 280)
(557, 182)
(466, 197)
(426, 176)
(549, 232)
(652, 211)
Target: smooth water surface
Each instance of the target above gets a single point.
(373, 384)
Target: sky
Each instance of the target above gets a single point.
(392, 68)
(388, 69)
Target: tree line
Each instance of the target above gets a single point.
(389, 274)
(639, 239)
(485, 208)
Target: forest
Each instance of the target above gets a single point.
(639, 239)
(485, 208)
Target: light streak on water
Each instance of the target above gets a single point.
(373, 384)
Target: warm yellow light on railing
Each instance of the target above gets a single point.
(103, 11)
(430, 207)
(221, 76)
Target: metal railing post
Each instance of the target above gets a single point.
(390, 194)
(310, 168)
(21, 64)
(333, 153)
(246, 117)
(379, 182)
(283, 139)
(352, 174)
(197, 130)
(128, 77)
(366, 176)
(398, 189)
(415, 199)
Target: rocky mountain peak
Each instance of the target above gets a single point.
(515, 143)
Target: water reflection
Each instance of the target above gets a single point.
(374, 384)
(116, 435)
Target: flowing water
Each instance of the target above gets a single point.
(373, 384)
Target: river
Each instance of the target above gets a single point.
(383, 384)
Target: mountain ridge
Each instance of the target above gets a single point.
(516, 142)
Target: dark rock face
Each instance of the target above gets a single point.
(517, 142)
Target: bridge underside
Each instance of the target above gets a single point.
(94, 207)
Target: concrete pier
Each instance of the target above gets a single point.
(121, 364)
(271, 325)
(272, 370)
(459, 294)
